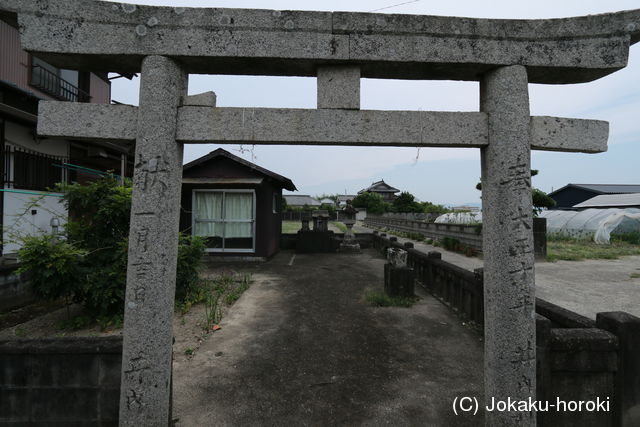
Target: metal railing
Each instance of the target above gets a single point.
(54, 85)
(30, 170)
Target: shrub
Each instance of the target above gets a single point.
(53, 267)
(190, 251)
(90, 265)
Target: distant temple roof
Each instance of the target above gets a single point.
(379, 187)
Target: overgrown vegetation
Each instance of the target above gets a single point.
(453, 244)
(380, 299)
(88, 263)
(340, 226)
(218, 291)
(571, 249)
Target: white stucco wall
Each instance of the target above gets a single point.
(15, 221)
(19, 220)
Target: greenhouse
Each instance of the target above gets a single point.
(596, 224)
(464, 218)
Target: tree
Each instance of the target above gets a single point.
(428, 207)
(372, 202)
(406, 202)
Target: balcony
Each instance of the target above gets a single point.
(52, 84)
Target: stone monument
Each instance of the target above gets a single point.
(165, 44)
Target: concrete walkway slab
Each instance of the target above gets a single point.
(302, 347)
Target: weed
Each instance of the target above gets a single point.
(20, 332)
(188, 351)
(109, 323)
(429, 241)
(569, 249)
(380, 299)
(340, 226)
(75, 323)
(632, 237)
(242, 286)
(635, 275)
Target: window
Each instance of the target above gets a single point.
(226, 218)
(30, 170)
(275, 202)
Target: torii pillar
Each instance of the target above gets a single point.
(507, 243)
(153, 247)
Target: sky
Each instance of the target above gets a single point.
(438, 175)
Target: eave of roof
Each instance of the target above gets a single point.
(287, 184)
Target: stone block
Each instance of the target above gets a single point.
(115, 37)
(339, 87)
(626, 328)
(399, 281)
(205, 99)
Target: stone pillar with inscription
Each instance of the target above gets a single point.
(153, 247)
(507, 212)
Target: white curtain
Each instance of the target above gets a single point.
(208, 207)
(238, 206)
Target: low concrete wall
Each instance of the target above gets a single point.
(577, 358)
(14, 289)
(470, 235)
(288, 240)
(60, 382)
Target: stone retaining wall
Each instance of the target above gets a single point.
(60, 381)
(577, 358)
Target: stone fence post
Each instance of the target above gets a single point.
(626, 402)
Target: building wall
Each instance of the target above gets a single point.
(99, 90)
(268, 224)
(572, 196)
(15, 63)
(19, 218)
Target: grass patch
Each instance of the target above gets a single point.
(568, 249)
(380, 299)
(291, 227)
(340, 226)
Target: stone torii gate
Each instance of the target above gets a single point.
(165, 44)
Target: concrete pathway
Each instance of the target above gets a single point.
(586, 287)
(302, 347)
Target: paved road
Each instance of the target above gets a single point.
(301, 347)
(586, 287)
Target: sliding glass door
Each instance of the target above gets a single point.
(226, 218)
